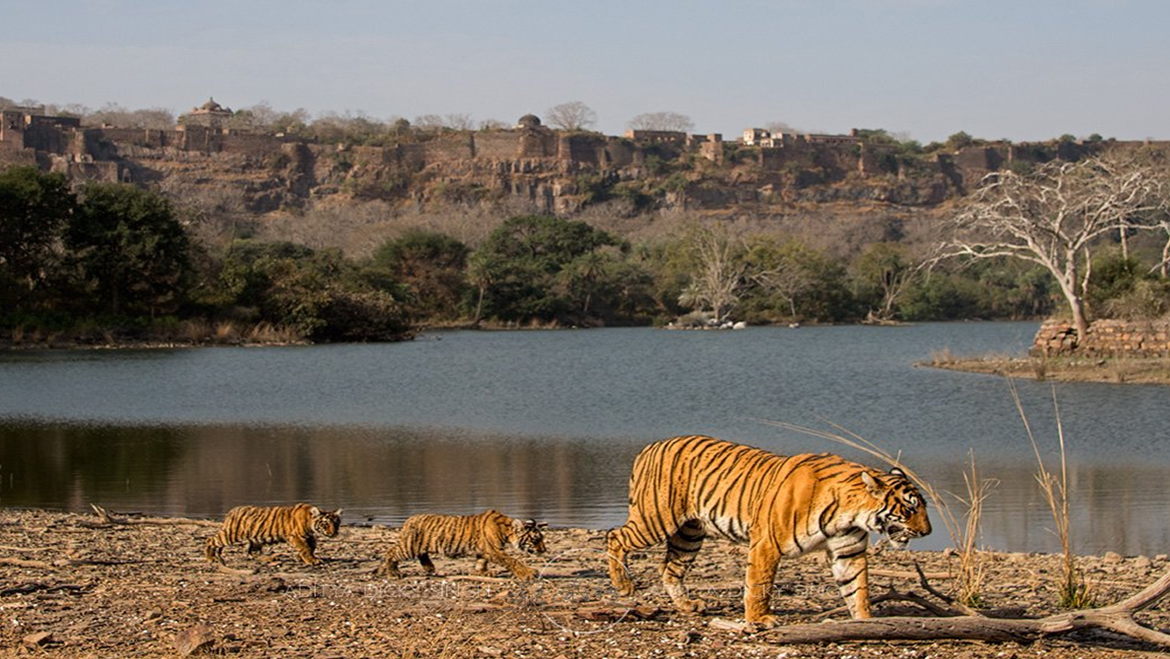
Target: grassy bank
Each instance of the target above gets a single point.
(1146, 370)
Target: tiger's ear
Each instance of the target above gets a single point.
(872, 485)
(315, 511)
(337, 512)
(898, 472)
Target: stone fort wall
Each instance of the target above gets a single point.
(1105, 338)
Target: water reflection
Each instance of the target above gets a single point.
(386, 475)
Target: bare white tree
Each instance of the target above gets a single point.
(1054, 218)
(662, 121)
(719, 273)
(460, 121)
(573, 115)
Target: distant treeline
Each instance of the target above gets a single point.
(114, 263)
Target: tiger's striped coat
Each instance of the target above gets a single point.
(257, 526)
(683, 488)
(484, 536)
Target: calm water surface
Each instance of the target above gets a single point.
(546, 424)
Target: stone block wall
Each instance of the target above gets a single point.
(1106, 338)
(497, 145)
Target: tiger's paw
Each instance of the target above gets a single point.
(526, 575)
(691, 605)
(763, 622)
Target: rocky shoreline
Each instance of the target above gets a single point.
(1116, 370)
(74, 585)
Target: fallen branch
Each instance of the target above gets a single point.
(925, 583)
(894, 595)
(106, 519)
(61, 562)
(32, 587)
(1117, 618)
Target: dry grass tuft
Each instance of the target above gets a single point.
(1072, 591)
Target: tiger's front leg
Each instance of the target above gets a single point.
(517, 568)
(851, 571)
(761, 573)
(304, 549)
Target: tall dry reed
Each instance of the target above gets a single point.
(1072, 590)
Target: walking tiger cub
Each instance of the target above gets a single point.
(298, 525)
(683, 488)
(484, 536)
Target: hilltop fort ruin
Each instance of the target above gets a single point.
(528, 159)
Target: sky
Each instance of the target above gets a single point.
(921, 69)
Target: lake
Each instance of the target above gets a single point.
(545, 424)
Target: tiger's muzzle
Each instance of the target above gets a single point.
(901, 533)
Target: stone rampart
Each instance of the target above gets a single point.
(1105, 338)
(453, 147)
(497, 145)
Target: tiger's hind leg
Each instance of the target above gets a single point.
(681, 549)
(427, 564)
(397, 552)
(213, 551)
(619, 543)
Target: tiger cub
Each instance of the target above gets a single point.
(484, 536)
(298, 525)
(683, 488)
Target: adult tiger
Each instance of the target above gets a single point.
(257, 526)
(485, 536)
(684, 487)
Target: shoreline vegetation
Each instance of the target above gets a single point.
(127, 585)
(1115, 370)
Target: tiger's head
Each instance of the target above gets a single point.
(529, 535)
(325, 522)
(902, 514)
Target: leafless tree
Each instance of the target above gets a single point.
(573, 115)
(459, 121)
(779, 127)
(719, 273)
(1054, 218)
(662, 121)
(492, 124)
(429, 122)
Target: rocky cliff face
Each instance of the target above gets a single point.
(266, 176)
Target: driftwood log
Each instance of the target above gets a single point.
(105, 518)
(1117, 618)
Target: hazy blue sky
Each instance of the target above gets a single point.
(1017, 69)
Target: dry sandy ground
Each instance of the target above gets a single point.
(69, 589)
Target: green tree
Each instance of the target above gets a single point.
(794, 282)
(130, 251)
(431, 265)
(518, 266)
(34, 208)
(319, 294)
(882, 275)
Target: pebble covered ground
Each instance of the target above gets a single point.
(72, 588)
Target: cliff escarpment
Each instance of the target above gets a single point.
(294, 186)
